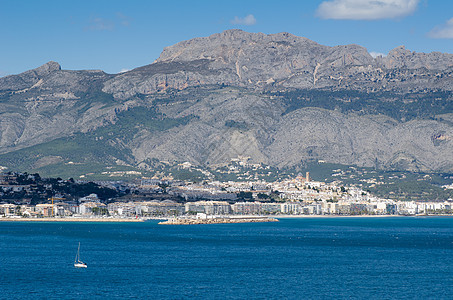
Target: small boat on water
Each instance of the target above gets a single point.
(77, 262)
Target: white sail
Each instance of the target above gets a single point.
(77, 262)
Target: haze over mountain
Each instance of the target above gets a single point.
(278, 98)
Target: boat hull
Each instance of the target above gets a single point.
(79, 265)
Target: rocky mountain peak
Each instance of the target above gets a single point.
(280, 60)
(28, 78)
(259, 57)
(400, 57)
(229, 43)
(47, 68)
(399, 50)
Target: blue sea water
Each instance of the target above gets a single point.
(354, 258)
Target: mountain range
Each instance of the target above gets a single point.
(279, 99)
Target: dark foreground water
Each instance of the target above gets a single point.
(383, 258)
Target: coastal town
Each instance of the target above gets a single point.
(165, 198)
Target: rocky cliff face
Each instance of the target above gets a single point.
(282, 60)
(236, 93)
(45, 103)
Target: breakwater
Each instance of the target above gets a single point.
(69, 219)
(220, 220)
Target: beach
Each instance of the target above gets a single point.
(70, 220)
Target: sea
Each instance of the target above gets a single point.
(305, 258)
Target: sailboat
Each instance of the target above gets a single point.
(77, 262)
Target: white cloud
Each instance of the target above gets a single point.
(376, 54)
(366, 9)
(248, 20)
(123, 71)
(444, 31)
(100, 24)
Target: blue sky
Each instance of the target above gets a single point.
(114, 35)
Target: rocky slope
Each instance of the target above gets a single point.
(282, 60)
(278, 98)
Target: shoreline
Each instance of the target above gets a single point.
(229, 219)
(338, 216)
(354, 216)
(87, 220)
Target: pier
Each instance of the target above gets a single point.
(217, 220)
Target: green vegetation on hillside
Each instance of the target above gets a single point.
(91, 98)
(40, 190)
(94, 152)
(398, 185)
(131, 121)
(402, 107)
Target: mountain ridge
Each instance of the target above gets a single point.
(278, 98)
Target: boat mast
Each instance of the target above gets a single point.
(77, 259)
